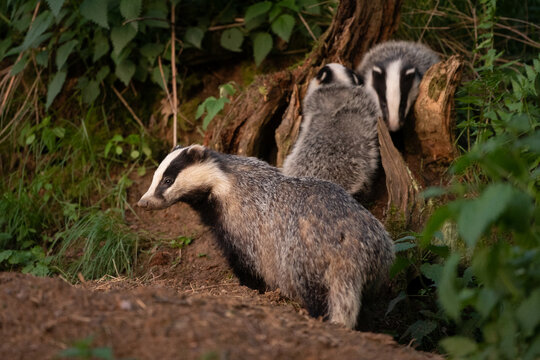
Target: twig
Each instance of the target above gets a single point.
(307, 27)
(228, 26)
(429, 20)
(173, 66)
(164, 82)
(129, 108)
(143, 19)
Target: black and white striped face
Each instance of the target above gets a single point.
(396, 86)
(185, 174)
(334, 74)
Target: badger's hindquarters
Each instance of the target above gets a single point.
(305, 236)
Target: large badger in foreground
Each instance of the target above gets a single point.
(307, 237)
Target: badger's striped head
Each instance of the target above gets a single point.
(396, 86)
(334, 74)
(186, 174)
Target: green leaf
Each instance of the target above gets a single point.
(60, 132)
(435, 222)
(102, 73)
(256, 10)
(101, 46)
(151, 51)
(125, 71)
(157, 78)
(403, 246)
(90, 92)
(63, 53)
(392, 304)
(283, 26)
(55, 6)
(4, 255)
(226, 89)
(34, 36)
(118, 150)
(19, 65)
(448, 296)
(130, 9)
(290, 4)
(459, 346)
(194, 36)
(528, 312)
(476, 215)
(421, 329)
(432, 272)
(30, 139)
(486, 300)
(232, 39)
(141, 171)
(135, 154)
(55, 86)
(262, 44)
(96, 11)
(121, 36)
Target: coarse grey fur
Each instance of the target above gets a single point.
(414, 60)
(307, 237)
(338, 138)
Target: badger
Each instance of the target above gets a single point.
(392, 72)
(338, 136)
(307, 237)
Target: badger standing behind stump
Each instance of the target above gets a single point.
(392, 72)
(307, 237)
(338, 139)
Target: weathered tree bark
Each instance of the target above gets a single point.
(434, 111)
(264, 120)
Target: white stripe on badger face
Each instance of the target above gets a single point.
(340, 73)
(160, 170)
(393, 93)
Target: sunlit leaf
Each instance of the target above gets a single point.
(283, 26)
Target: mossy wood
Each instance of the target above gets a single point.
(434, 110)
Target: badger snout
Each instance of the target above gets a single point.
(143, 203)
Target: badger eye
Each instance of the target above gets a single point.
(167, 181)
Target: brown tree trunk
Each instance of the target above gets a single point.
(265, 119)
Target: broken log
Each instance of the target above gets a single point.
(434, 111)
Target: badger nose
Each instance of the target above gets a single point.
(143, 203)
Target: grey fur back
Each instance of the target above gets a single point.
(305, 236)
(338, 139)
(411, 53)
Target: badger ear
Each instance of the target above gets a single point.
(198, 152)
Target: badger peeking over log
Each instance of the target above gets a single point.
(307, 237)
(392, 72)
(338, 139)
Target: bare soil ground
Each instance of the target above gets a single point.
(183, 303)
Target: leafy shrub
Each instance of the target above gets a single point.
(494, 300)
(101, 41)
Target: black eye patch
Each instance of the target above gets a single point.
(325, 75)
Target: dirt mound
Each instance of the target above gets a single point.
(41, 316)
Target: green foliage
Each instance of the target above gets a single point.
(106, 246)
(65, 34)
(490, 298)
(83, 349)
(213, 106)
(52, 202)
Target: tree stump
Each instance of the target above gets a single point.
(434, 111)
(264, 120)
